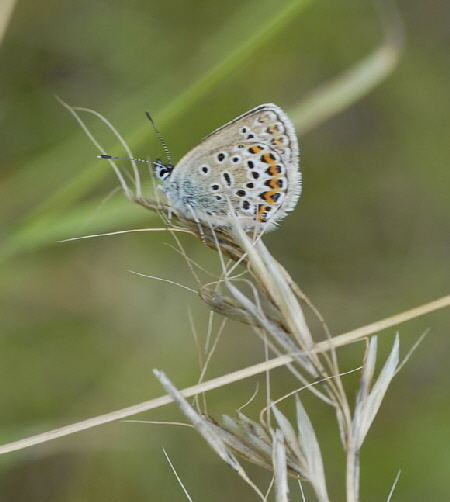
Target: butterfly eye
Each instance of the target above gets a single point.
(162, 171)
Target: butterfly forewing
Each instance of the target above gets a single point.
(247, 169)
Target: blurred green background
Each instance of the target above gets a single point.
(370, 237)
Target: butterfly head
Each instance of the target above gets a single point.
(162, 171)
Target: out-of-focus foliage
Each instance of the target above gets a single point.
(79, 335)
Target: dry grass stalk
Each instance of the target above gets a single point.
(274, 309)
(275, 312)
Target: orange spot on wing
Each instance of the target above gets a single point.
(277, 141)
(260, 213)
(272, 170)
(273, 129)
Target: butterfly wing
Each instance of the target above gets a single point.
(247, 168)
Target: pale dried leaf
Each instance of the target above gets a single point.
(206, 429)
(368, 406)
(240, 445)
(280, 467)
(311, 450)
(297, 460)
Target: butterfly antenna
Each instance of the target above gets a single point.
(110, 157)
(161, 139)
